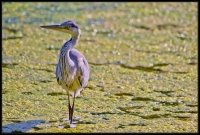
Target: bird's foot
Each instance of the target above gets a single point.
(72, 125)
(75, 119)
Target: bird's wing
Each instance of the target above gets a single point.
(82, 67)
(58, 72)
(83, 75)
(84, 72)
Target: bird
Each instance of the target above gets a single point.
(72, 70)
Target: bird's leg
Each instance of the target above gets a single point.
(69, 106)
(72, 109)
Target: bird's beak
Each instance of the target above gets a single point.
(55, 27)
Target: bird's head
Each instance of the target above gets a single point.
(68, 27)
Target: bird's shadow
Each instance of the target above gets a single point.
(21, 127)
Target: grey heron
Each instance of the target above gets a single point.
(72, 70)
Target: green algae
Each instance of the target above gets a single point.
(143, 60)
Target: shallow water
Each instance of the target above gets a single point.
(143, 60)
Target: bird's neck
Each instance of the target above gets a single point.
(67, 47)
(70, 43)
(74, 39)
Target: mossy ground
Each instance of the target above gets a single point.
(143, 60)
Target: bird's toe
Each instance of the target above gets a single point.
(72, 125)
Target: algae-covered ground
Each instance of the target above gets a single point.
(143, 61)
